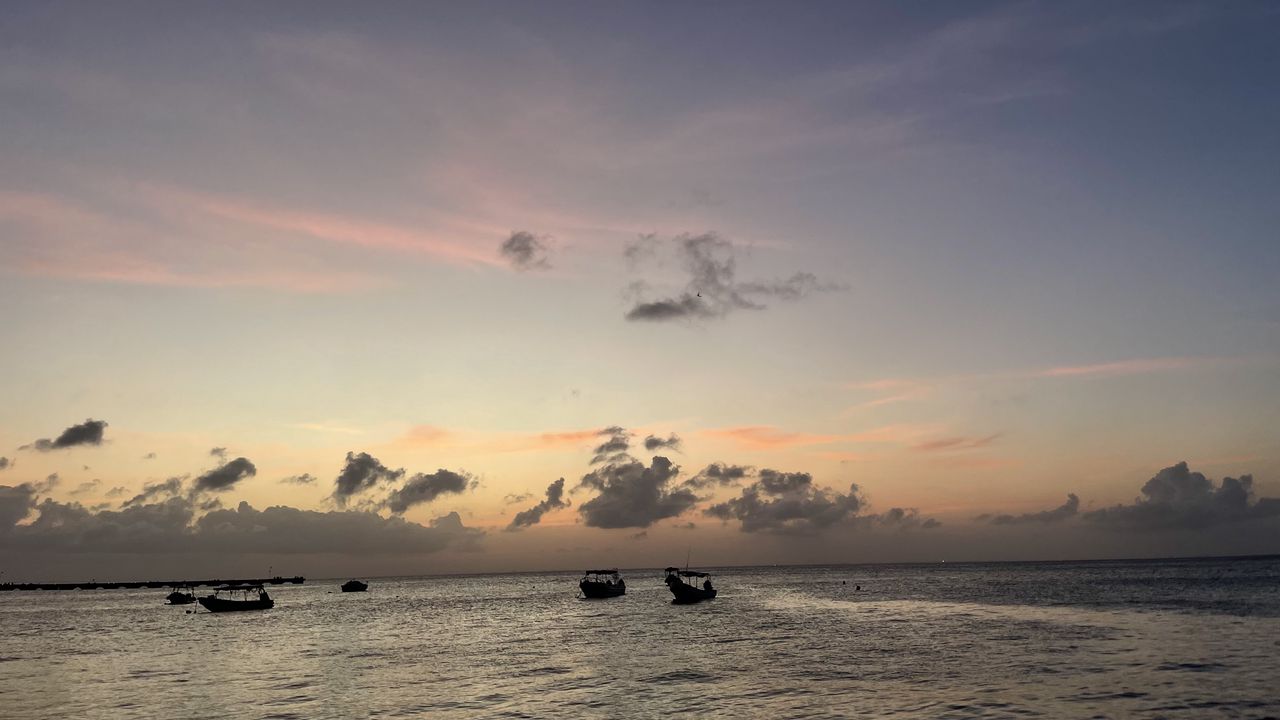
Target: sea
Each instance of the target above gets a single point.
(1196, 638)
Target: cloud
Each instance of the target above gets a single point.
(526, 251)
(903, 519)
(150, 491)
(788, 503)
(117, 491)
(632, 495)
(956, 443)
(424, 488)
(88, 432)
(615, 448)
(1178, 498)
(4, 463)
(149, 456)
(303, 479)
(712, 289)
(513, 498)
(719, 475)
(87, 487)
(361, 473)
(218, 452)
(171, 526)
(643, 247)
(653, 442)
(225, 476)
(1139, 366)
(1064, 511)
(50, 482)
(15, 504)
(764, 437)
(554, 501)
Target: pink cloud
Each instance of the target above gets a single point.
(1128, 367)
(955, 443)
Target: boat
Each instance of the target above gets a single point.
(181, 595)
(602, 584)
(354, 586)
(681, 583)
(230, 598)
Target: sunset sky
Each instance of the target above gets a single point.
(352, 287)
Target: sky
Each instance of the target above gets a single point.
(416, 288)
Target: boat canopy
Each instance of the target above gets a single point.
(687, 573)
(602, 572)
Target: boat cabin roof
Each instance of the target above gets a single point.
(601, 572)
(687, 573)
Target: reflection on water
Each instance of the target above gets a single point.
(1159, 639)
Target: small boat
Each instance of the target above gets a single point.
(354, 586)
(685, 591)
(230, 598)
(182, 595)
(602, 584)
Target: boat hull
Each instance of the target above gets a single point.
(596, 590)
(687, 595)
(217, 604)
(354, 586)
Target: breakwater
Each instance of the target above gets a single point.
(94, 585)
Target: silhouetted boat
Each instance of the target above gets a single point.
(181, 596)
(602, 584)
(686, 592)
(230, 598)
(354, 586)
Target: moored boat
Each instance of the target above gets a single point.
(602, 584)
(354, 586)
(681, 583)
(230, 598)
(182, 595)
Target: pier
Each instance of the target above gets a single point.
(94, 585)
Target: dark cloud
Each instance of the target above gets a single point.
(152, 491)
(116, 491)
(171, 526)
(15, 504)
(553, 501)
(423, 488)
(712, 289)
(211, 504)
(87, 487)
(4, 463)
(361, 473)
(526, 251)
(1062, 512)
(653, 442)
(615, 448)
(225, 476)
(50, 482)
(719, 475)
(903, 519)
(218, 452)
(303, 479)
(788, 503)
(1178, 498)
(632, 495)
(89, 432)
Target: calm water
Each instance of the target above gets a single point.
(1187, 639)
